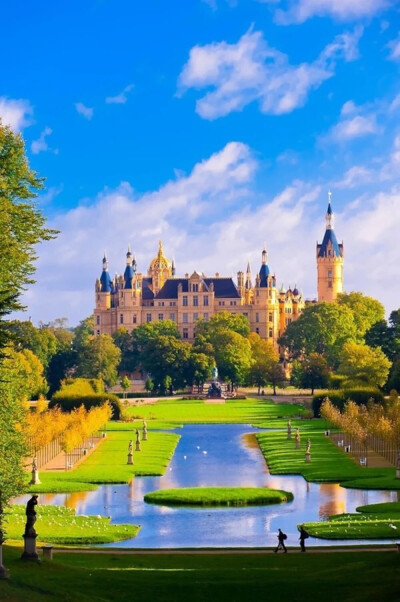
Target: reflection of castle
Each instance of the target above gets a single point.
(133, 299)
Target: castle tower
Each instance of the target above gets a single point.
(104, 287)
(329, 261)
(160, 269)
(129, 270)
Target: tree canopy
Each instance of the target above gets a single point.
(364, 365)
(366, 310)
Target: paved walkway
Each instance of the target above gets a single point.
(198, 551)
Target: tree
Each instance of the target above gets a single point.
(146, 333)
(34, 378)
(82, 333)
(41, 341)
(322, 328)
(276, 376)
(124, 341)
(99, 358)
(314, 372)
(386, 335)
(223, 321)
(22, 228)
(62, 365)
(366, 310)
(263, 355)
(166, 358)
(364, 365)
(394, 376)
(232, 355)
(125, 385)
(199, 368)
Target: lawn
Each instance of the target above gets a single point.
(348, 577)
(108, 463)
(358, 526)
(328, 462)
(218, 496)
(60, 525)
(246, 411)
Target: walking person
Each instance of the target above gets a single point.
(303, 536)
(281, 542)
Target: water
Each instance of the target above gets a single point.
(218, 455)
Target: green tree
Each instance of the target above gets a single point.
(263, 355)
(199, 368)
(125, 385)
(386, 335)
(277, 376)
(124, 341)
(146, 333)
(366, 310)
(223, 321)
(63, 334)
(62, 365)
(314, 372)
(41, 341)
(83, 333)
(322, 328)
(394, 376)
(34, 374)
(232, 355)
(166, 358)
(99, 358)
(364, 365)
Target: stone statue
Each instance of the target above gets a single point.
(297, 439)
(34, 464)
(144, 435)
(214, 373)
(35, 473)
(308, 449)
(130, 447)
(138, 448)
(31, 517)
(289, 430)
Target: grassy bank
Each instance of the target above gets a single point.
(218, 496)
(357, 526)
(328, 462)
(248, 411)
(108, 463)
(60, 525)
(355, 577)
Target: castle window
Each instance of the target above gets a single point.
(161, 317)
(195, 301)
(257, 330)
(161, 304)
(270, 332)
(233, 302)
(195, 317)
(172, 317)
(148, 317)
(121, 318)
(185, 318)
(185, 333)
(205, 300)
(330, 284)
(329, 273)
(205, 316)
(122, 295)
(221, 302)
(97, 320)
(270, 316)
(257, 317)
(98, 331)
(195, 288)
(134, 319)
(185, 300)
(172, 303)
(246, 314)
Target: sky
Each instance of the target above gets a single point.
(218, 126)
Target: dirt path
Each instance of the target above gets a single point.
(197, 551)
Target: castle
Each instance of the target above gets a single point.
(133, 299)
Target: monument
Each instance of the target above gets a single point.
(35, 473)
(297, 439)
(144, 435)
(130, 452)
(138, 448)
(308, 451)
(289, 430)
(215, 389)
(30, 534)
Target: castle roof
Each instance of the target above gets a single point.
(264, 273)
(330, 237)
(223, 288)
(147, 293)
(128, 276)
(105, 281)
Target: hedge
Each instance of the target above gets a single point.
(360, 396)
(67, 402)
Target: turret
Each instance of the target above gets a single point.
(105, 278)
(129, 270)
(248, 276)
(264, 270)
(329, 261)
(104, 287)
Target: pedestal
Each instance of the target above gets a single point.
(297, 444)
(144, 436)
(35, 478)
(138, 448)
(30, 552)
(289, 436)
(130, 459)
(3, 571)
(308, 457)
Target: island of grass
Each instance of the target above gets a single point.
(218, 496)
(374, 521)
(60, 525)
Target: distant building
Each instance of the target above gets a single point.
(133, 299)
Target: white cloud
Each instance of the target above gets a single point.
(356, 176)
(41, 145)
(354, 122)
(122, 97)
(341, 10)
(15, 113)
(87, 112)
(251, 70)
(395, 104)
(394, 46)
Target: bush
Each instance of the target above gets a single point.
(69, 401)
(336, 381)
(338, 397)
(82, 386)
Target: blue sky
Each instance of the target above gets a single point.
(216, 125)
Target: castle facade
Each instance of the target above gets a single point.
(133, 298)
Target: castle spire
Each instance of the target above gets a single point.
(248, 276)
(105, 278)
(329, 217)
(264, 270)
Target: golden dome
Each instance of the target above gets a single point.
(160, 262)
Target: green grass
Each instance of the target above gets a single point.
(60, 525)
(329, 463)
(348, 577)
(357, 526)
(115, 425)
(107, 464)
(248, 411)
(218, 496)
(385, 508)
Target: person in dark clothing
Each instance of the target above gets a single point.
(281, 542)
(302, 538)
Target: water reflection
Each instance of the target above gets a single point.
(233, 459)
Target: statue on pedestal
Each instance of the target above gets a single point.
(30, 534)
(297, 438)
(35, 473)
(144, 435)
(138, 448)
(130, 452)
(289, 430)
(308, 451)
(215, 389)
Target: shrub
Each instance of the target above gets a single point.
(338, 397)
(67, 402)
(336, 381)
(82, 386)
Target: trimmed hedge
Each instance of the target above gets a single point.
(360, 396)
(68, 401)
(82, 386)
